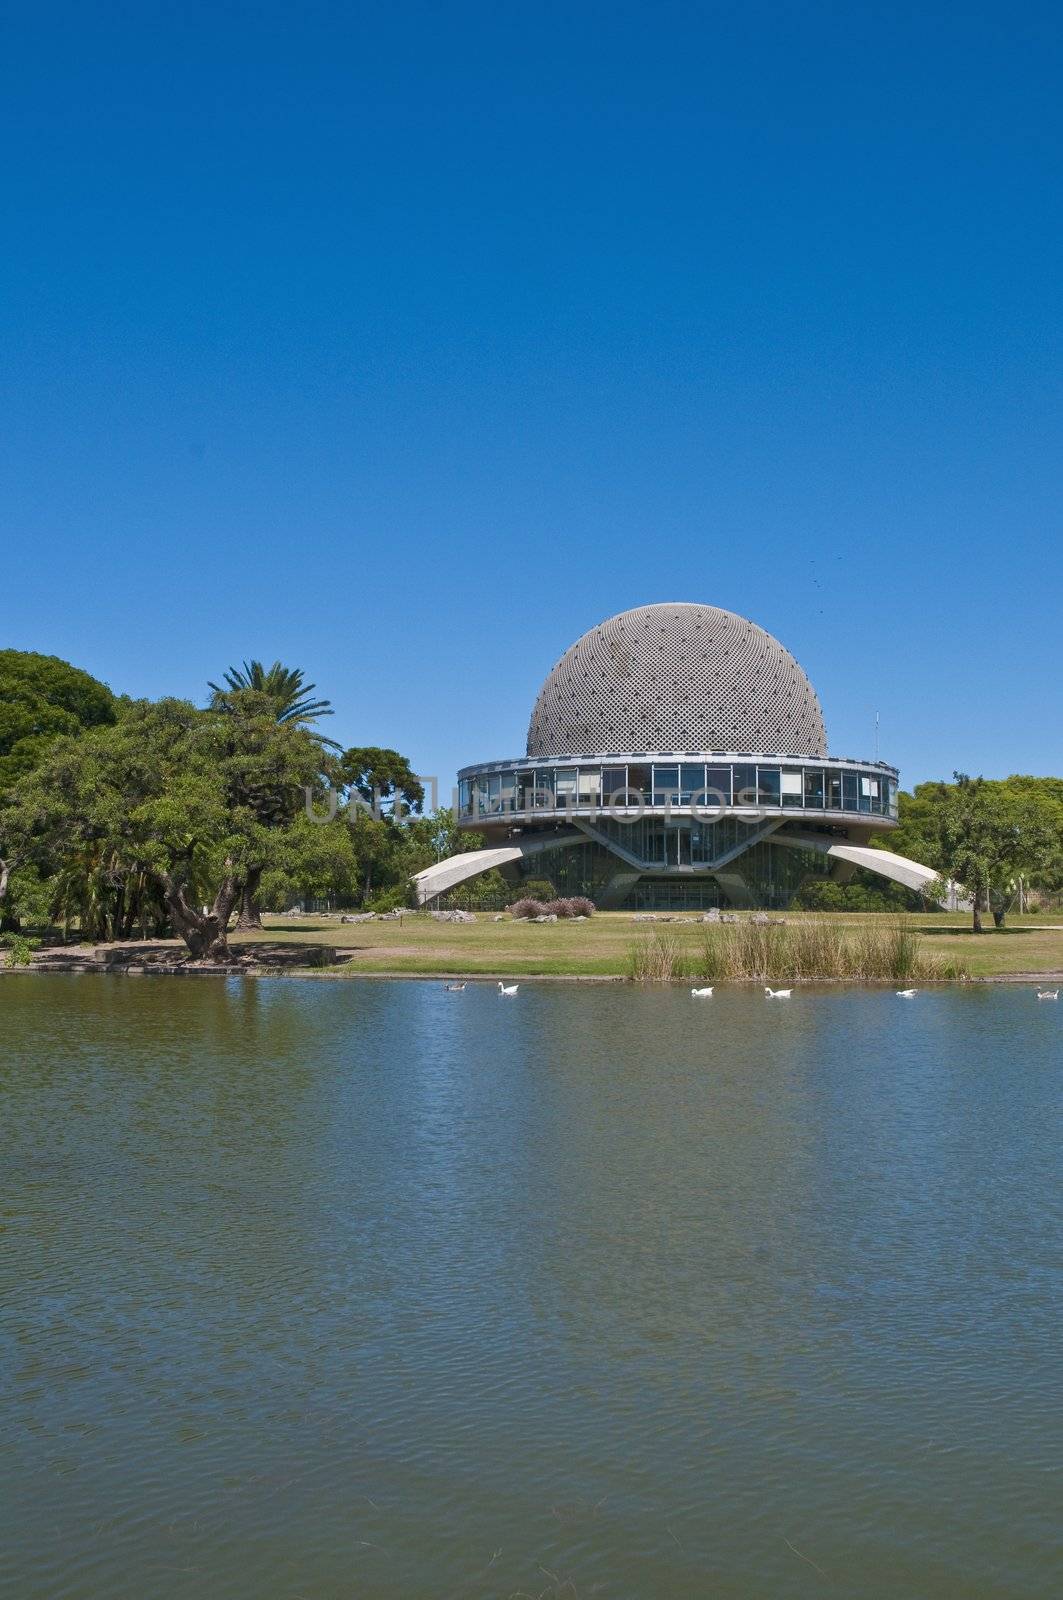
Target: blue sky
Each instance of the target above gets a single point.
(406, 342)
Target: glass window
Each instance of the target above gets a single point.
(768, 786)
(654, 846)
(849, 792)
(691, 781)
(665, 785)
(525, 787)
(792, 788)
(834, 791)
(565, 786)
(745, 785)
(814, 787)
(640, 778)
(718, 785)
(614, 780)
(590, 786)
(544, 788)
(494, 793)
(509, 790)
(868, 794)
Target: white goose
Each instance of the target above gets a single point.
(702, 994)
(453, 988)
(1048, 994)
(777, 994)
(508, 989)
(906, 994)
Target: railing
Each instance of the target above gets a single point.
(701, 789)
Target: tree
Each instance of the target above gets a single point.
(188, 801)
(382, 777)
(988, 836)
(382, 780)
(279, 692)
(42, 699)
(283, 686)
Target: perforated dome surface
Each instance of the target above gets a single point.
(674, 678)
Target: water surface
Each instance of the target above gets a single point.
(317, 1290)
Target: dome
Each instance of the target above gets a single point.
(674, 678)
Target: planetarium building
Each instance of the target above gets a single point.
(676, 759)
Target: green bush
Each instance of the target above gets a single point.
(538, 889)
(389, 899)
(861, 894)
(19, 948)
(488, 892)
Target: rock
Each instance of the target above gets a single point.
(361, 916)
(548, 916)
(500, 918)
(452, 916)
(711, 916)
(645, 916)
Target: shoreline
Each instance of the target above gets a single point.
(609, 948)
(78, 969)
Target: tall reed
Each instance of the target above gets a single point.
(879, 951)
(655, 957)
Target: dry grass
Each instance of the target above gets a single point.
(884, 950)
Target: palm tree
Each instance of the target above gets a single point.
(285, 687)
(291, 700)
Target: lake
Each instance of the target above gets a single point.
(315, 1290)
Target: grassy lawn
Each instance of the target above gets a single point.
(600, 947)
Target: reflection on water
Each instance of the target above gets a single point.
(365, 1289)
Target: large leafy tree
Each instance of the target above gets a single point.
(379, 783)
(186, 802)
(282, 693)
(42, 699)
(989, 835)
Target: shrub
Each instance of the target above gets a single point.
(19, 948)
(527, 908)
(863, 893)
(488, 892)
(539, 889)
(389, 899)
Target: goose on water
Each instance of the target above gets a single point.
(777, 994)
(701, 994)
(508, 989)
(453, 988)
(1048, 994)
(906, 994)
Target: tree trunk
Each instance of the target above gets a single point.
(976, 903)
(250, 915)
(203, 932)
(9, 922)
